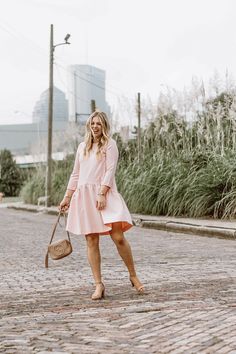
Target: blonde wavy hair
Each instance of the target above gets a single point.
(89, 136)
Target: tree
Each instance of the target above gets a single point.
(10, 175)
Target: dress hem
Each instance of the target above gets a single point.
(125, 227)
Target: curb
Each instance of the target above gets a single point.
(165, 225)
(33, 208)
(194, 229)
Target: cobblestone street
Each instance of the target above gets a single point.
(189, 305)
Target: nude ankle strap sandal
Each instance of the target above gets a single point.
(99, 293)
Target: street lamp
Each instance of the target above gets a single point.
(50, 116)
(66, 38)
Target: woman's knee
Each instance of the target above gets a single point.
(117, 234)
(118, 238)
(92, 240)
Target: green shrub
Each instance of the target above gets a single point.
(35, 186)
(11, 177)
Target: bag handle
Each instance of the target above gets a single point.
(55, 226)
(53, 233)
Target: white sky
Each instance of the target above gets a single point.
(142, 45)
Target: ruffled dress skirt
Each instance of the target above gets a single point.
(84, 218)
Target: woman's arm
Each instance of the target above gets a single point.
(112, 155)
(72, 184)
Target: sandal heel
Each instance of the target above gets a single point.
(99, 295)
(139, 289)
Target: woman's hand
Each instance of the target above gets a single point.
(65, 204)
(101, 202)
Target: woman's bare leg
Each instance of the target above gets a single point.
(94, 256)
(125, 252)
(94, 259)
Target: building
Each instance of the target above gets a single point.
(31, 161)
(85, 83)
(20, 139)
(60, 107)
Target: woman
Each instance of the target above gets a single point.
(95, 206)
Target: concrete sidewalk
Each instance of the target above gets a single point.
(202, 227)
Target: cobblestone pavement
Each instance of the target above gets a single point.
(189, 307)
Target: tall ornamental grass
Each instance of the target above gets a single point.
(187, 166)
(188, 158)
(194, 185)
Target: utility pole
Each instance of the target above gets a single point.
(74, 97)
(50, 117)
(93, 106)
(139, 127)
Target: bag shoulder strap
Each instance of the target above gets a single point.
(55, 227)
(53, 233)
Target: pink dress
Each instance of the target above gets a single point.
(88, 174)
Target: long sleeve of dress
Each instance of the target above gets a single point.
(112, 155)
(72, 184)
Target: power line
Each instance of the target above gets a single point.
(131, 101)
(82, 78)
(82, 72)
(93, 84)
(67, 88)
(29, 131)
(19, 35)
